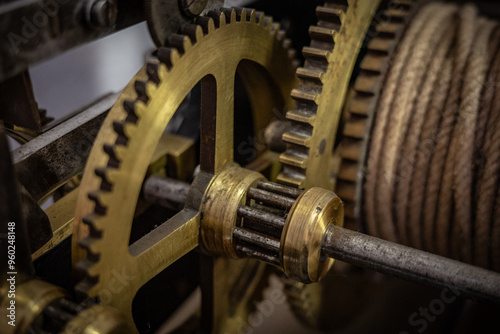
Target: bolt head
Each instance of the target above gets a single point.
(102, 13)
(193, 8)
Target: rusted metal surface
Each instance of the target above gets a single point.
(61, 153)
(166, 192)
(35, 30)
(391, 258)
(270, 198)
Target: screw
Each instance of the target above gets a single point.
(193, 8)
(101, 13)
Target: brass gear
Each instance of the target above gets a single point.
(335, 44)
(324, 79)
(113, 270)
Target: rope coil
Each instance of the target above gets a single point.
(433, 164)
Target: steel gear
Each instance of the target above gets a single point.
(336, 41)
(117, 165)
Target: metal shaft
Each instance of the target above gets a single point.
(391, 258)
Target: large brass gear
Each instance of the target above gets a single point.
(324, 79)
(126, 142)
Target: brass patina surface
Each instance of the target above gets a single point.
(211, 52)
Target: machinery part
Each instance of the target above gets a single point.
(324, 79)
(97, 319)
(167, 18)
(312, 230)
(362, 105)
(44, 308)
(301, 242)
(117, 166)
(388, 257)
(18, 107)
(167, 192)
(101, 13)
(37, 222)
(297, 247)
(400, 172)
(14, 233)
(193, 8)
(220, 204)
(32, 297)
(60, 153)
(40, 29)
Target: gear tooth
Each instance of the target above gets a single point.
(355, 128)
(301, 117)
(194, 32)
(162, 71)
(259, 18)
(233, 16)
(206, 23)
(349, 171)
(389, 29)
(114, 155)
(84, 266)
(168, 56)
(141, 107)
(108, 175)
(303, 96)
(382, 45)
(361, 106)
(310, 74)
(101, 199)
(334, 14)
(152, 71)
(365, 84)
(322, 33)
(82, 288)
(287, 43)
(129, 107)
(293, 179)
(267, 22)
(125, 130)
(253, 16)
(93, 272)
(312, 53)
(275, 28)
(241, 13)
(181, 43)
(96, 222)
(295, 159)
(151, 89)
(298, 138)
(291, 53)
(219, 18)
(140, 88)
(103, 173)
(280, 36)
(91, 244)
(374, 63)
